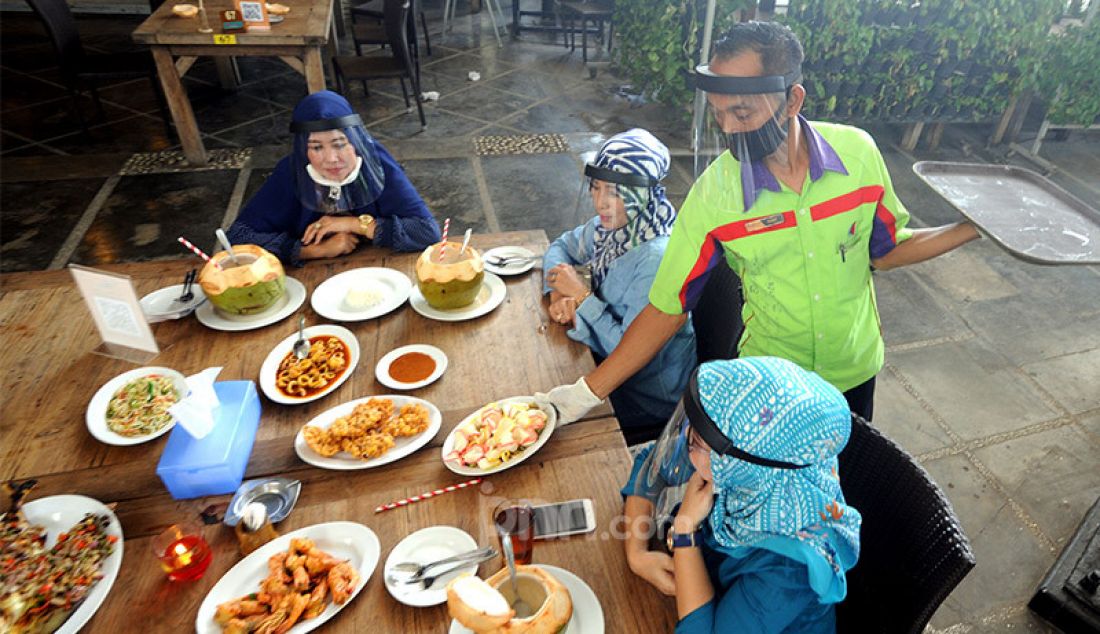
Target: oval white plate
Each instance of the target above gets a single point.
(509, 268)
(491, 295)
(382, 369)
(544, 435)
(96, 415)
(587, 611)
(343, 540)
(271, 363)
(328, 298)
(294, 297)
(428, 544)
(346, 462)
(161, 305)
(58, 513)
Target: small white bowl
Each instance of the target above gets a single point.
(382, 369)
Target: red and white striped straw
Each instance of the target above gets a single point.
(427, 494)
(197, 251)
(443, 247)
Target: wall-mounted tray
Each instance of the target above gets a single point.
(1022, 211)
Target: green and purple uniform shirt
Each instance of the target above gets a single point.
(804, 259)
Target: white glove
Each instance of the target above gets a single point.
(570, 401)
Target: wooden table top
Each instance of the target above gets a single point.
(47, 340)
(306, 24)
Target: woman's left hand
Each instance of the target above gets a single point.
(564, 311)
(563, 278)
(698, 501)
(328, 225)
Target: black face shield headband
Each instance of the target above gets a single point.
(708, 430)
(619, 178)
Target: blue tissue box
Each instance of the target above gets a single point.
(214, 465)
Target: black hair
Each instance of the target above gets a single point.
(778, 46)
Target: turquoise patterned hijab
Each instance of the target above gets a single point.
(772, 408)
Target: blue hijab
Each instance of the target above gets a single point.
(774, 409)
(649, 215)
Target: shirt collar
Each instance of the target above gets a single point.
(822, 157)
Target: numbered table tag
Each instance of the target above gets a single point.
(228, 38)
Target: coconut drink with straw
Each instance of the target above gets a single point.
(448, 274)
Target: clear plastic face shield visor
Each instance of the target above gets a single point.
(668, 467)
(359, 189)
(744, 121)
(618, 198)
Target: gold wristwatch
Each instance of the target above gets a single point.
(365, 221)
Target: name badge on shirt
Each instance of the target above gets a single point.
(763, 223)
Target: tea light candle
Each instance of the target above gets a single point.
(183, 555)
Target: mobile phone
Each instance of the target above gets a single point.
(564, 518)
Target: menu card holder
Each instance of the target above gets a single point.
(114, 305)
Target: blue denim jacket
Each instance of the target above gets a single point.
(603, 318)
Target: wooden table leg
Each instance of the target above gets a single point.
(180, 107)
(227, 72)
(315, 70)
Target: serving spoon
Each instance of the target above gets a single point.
(301, 347)
(224, 239)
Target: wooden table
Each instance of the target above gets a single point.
(176, 43)
(47, 340)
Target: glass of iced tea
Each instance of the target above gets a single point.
(516, 521)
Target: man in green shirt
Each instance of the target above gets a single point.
(801, 211)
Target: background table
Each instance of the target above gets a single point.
(46, 343)
(298, 40)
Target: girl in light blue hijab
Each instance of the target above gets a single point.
(763, 538)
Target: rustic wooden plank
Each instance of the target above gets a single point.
(294, 63)
(180, 107)
(314, 69)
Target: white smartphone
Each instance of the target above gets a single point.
(564, 518)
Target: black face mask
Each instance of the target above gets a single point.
(760, 142)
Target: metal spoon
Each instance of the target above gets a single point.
(466, 240)
(522, 609)
(301, 347)
(224, 239)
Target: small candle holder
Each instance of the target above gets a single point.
(183, 553)
(204, 22)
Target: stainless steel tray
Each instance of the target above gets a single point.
(1022, 211)
(278, 495)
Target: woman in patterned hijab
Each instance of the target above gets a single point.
(765, 503)
(620, 247)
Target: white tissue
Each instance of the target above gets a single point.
(196, 411)
(474, 75)
(430, 95)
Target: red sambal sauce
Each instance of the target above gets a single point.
(332, 344)
(412, 367)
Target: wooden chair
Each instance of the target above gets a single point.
(375, 34)
(595, 11)
(82, 70)
(717, 315)
(400, 65)
(913, 552)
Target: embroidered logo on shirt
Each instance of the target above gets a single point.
(763, 223)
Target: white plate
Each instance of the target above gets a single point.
(544, 435)
(161, 305)
(346, 462)
(489, 297)
(279, 352)
(328, 298)
(343, 540)
(382, 369)
(294, 297)
(587, 611)
(58, 513)
(428, 544)
(514, 268)
(96, 415)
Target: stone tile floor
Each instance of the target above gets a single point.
(993, 364)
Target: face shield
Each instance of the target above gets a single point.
(745, 121)
(618, 198)
(345, 142)
(664, 473)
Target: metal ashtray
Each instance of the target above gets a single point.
(278, 496)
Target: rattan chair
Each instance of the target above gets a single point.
(717, 315)
(913, 552)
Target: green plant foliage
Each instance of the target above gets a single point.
(882, 60)
(1068, 74)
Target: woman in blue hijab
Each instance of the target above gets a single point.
(629, 219)
(762, 538)
(337, 187)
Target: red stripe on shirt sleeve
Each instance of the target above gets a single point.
(888, 219)
(699, 268)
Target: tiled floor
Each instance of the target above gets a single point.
(992, 363)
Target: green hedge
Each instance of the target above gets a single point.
(866, 60)
(1067, 74)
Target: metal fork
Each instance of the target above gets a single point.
(497, 260)
(427, 582)
(418, 570)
